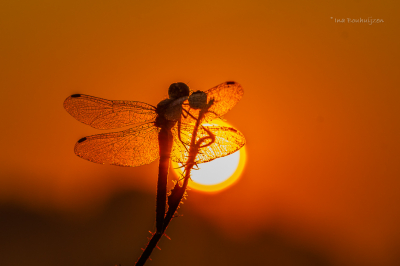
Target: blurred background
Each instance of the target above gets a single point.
(320, 115)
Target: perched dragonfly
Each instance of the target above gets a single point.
(163, 131)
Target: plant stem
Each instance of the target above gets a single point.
(149, 249)
(177, 193)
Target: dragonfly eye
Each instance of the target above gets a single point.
(178, 90)
(198, 100)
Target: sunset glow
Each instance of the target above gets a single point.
(315, 101)
(218, 174)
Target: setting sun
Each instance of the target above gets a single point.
(218, 174)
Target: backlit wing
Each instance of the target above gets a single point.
(132, 147)
(107, 114)
(225, 96)
(227, 141)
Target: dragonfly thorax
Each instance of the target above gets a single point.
(168, 112)
(163, 106)
(178, 90)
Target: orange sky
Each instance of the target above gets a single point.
(320, 114)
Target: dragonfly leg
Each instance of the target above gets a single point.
(210, 136)
(188, 114)
(179, 135)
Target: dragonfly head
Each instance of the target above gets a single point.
(178, 90)
(198, 100)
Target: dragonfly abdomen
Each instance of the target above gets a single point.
(162, 122)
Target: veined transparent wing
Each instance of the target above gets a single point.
(227, 141)
(132, 147)
(107, 114)
(225, 96)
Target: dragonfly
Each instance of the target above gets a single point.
(163, 131)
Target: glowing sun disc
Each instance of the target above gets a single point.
(218, 174)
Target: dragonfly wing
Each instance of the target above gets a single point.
(227, 141)
(225, 96)
(181, 146)
(107, 114)
(132, 147)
